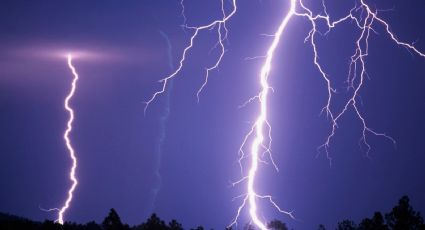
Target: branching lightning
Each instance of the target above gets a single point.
(357, 67)
(257, 130)
(219, 25)
(72, 177)
(260, 133)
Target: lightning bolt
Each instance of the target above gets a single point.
(220, 26)
(257, 130)
(260, 133)
(72, 177)
(364, 22)
(162, 121)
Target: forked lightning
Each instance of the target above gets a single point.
(363, 17)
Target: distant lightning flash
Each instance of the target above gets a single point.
(162, 122)
(71, 150)
(260, 132)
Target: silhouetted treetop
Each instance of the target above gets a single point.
(403, 217)
(277, 225)
(376, 223)
(174, 225)
(346, 225)
(112, 221)
(154, 222)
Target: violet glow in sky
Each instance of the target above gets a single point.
(115, 143)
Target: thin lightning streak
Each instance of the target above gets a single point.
(183, 12)
(68, 130)
(162, 122)
(261, 141)
(220, 41)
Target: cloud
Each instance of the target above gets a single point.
(57, 52)
(87, 51)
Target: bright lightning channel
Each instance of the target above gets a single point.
(261, 130)
(71, 150)
(258, 129)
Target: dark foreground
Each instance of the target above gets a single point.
(401, 217)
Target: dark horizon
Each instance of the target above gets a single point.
(402, 217)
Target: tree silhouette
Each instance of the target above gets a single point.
(376, 223)
(50, 225)
(91, 226)
(403, 217)
(346, 225)
(154, 223)
(277, 225)
(112, 221)
(174, 225)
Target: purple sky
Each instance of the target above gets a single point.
(122, 55)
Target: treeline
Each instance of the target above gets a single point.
(401, 217)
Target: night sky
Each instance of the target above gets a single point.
(123, 53)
